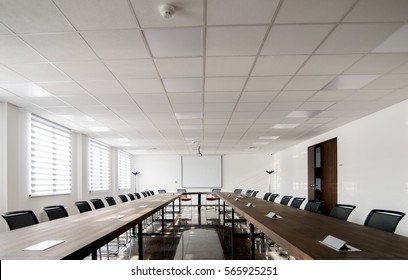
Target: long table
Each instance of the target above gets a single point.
(84, 233)
(299, 232)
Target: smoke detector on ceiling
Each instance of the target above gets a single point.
(167, 11)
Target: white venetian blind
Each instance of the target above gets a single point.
(51, 167)
(124, 170)
(99, 166)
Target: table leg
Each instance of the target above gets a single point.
(252, 238)
(173, 210)
(232, 233)
(140, 240)
(162, 220)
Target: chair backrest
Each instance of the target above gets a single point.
(248, 192)
(55, 212)
(131, 196)
(342, 211)
(216, 190)
(19, 219)
(110, 200)
(314, 206)
(123, 198)
(254, 193)
(181, 190)
(83, 206)
(161, 191)
(273, 196)
(138, 196)
(97, 203)
(296, 202)
(285, 199)
(237, 191)
(151, 192)
(386, 220)
(266, 196)
(144, 194)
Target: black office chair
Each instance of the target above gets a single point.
(131, 196)
(123, 198)
(55, 212)
(254, 193)
(110, 200)
(97, 203)
(285, 199)
(314, 206)
(273, 196)
(138, 196)
(296, 202)
(266, 196)
(161, 191)
(386, 220)
(341, 211)
(151, 192)
(144, 194)
(19, 219)
(83, 206)
(212, 196)
(248, 192)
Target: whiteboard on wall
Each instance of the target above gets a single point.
(201, 172)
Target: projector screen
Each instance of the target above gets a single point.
(201, 172)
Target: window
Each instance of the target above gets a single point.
(124, 170)
(99, 166)
(51, 166)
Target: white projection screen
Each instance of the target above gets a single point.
(201, 172)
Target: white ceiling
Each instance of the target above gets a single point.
(233, 76)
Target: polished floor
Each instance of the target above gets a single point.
(193, 235)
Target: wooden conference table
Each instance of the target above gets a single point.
(299, 232)
(84, 233)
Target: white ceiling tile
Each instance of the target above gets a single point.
(258, 96)
(228, 66)
(391, 81)
(302, 114)
(331, 95)
(266, 83)
(187, 97)
(80, 100)
(224, 84)
(60, 46)
(183, 84)
(25, 89)
(295, 39)
(175, 42)
(116, 44)
(94, 110)
(233, 40)
(403, 69)
(114, 99)
(240, 11)
(14, 50)
(156, 98)
(315, 105)
(46, 101)
(395, 43)
(63, 88)
(278, 65)
(356, 38)
(221, 97)
(155, 107)
(348, 106)
(378, 11)
(219, 107)
(65, 110)
(283, 106)
(377, 63)
(128, 109)
(328, 64)
(350, 82)
(288, 96)
(132, 69)
(4, 30)
(313, 11)
(308, 82)
(187, 13)
(39, 72)
(85, 70)
(187, 115)
(102, 87)
(98, 14)
(250, 107)
(399, 94)
(179, 67)
(368, 95)
(188, 108)
(143, 86)
(9, 76)
(33, 16)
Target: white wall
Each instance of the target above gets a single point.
(372, 164)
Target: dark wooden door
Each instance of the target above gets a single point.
(327, 173)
